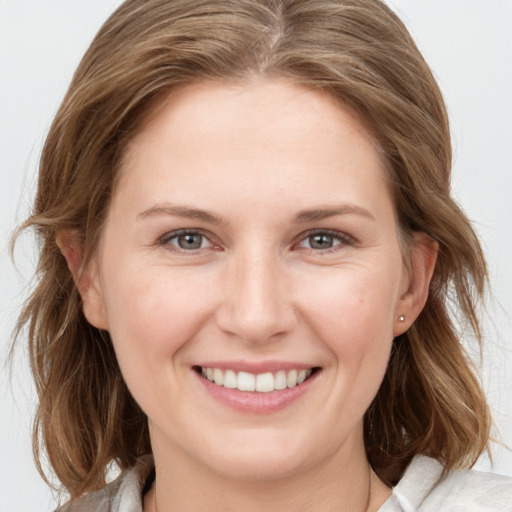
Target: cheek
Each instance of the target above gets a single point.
(353, 304)
(353, 314)
(152, 315)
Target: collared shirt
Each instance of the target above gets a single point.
(423, 488)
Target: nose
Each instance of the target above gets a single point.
(257, 304)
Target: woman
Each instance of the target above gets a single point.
(248, 248)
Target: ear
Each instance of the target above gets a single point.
(423, 259)
(86, 278)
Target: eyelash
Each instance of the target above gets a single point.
(342, 238)
(166, 239)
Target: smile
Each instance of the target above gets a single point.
(259, 383)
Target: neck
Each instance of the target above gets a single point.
(343, 483)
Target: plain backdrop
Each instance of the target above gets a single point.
(468, 44)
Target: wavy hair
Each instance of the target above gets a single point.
(359, 52)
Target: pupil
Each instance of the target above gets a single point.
(190, 241)
(321, 241)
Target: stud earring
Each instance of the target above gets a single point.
(401, 318)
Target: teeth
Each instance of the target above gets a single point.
(265, 382)
(246, 381)
(280, 380)
(230, 379)
(291, 379)
(218, 377)
(262, 382)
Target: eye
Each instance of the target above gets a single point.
(325, 241)
(322, 241)
(186, 241)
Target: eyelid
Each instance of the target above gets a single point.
(166, 238)
(343, 237)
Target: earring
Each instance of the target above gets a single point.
(401, 318)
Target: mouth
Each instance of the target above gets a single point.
(266, 382)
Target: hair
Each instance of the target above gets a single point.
(360, 53)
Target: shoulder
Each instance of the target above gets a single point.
(425, 488)
(471, 491)
(124, 494)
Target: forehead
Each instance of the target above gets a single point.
(271, 104)
(257, 137)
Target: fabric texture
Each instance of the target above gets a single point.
(423, 488)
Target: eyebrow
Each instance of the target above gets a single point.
(304, 216)
(182, 211)
(317, 214)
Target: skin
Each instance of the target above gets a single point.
(255, 156)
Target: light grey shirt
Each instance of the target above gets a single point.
(422, 488)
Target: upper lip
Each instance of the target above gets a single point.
(257, 367)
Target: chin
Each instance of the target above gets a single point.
(259, 468)
(264, 457)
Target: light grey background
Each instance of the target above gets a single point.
(468, 43)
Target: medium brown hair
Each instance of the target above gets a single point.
(359, 52)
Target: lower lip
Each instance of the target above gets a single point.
(254, 402)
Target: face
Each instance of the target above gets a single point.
(251, 278)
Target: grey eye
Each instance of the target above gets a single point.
(321, 241)
(189, 241)
(186, 241)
